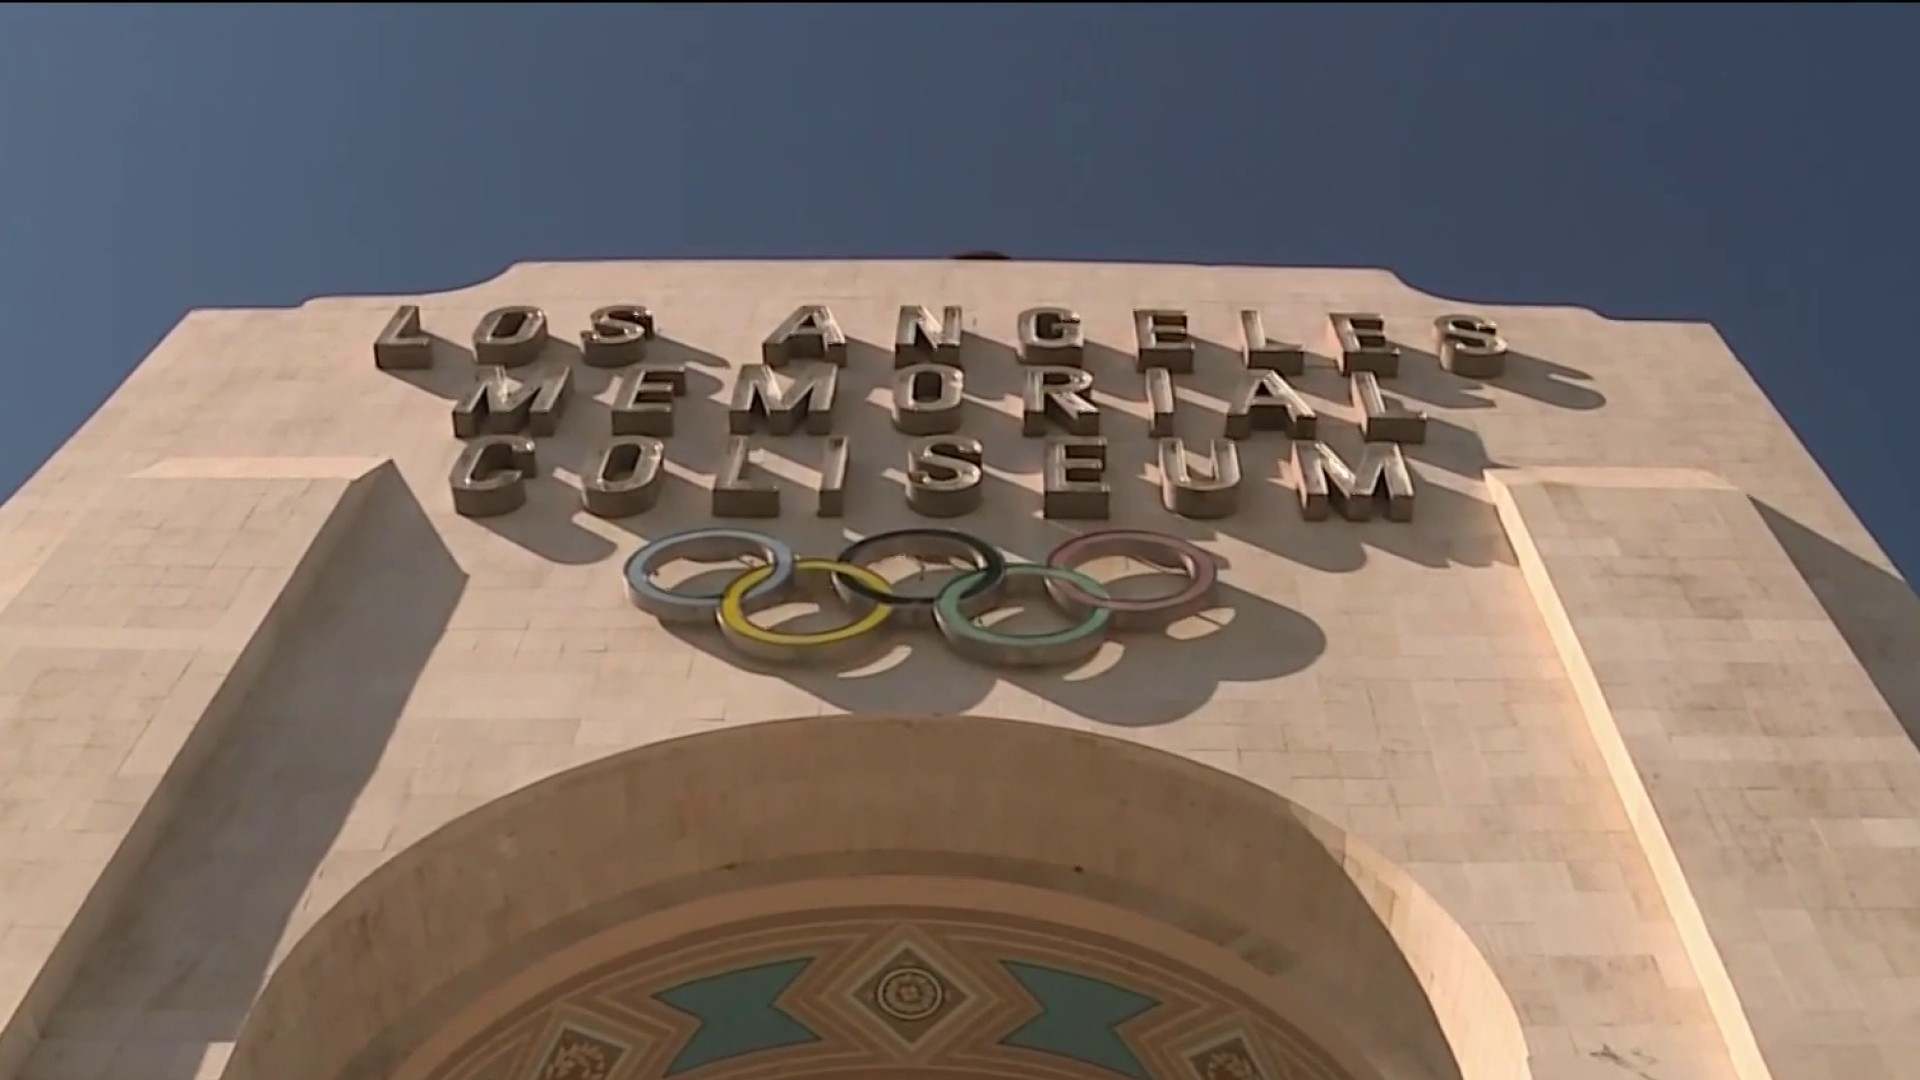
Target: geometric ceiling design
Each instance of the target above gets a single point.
(884, 994)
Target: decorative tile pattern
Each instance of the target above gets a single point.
(1080, 1018)
(738, 1013)
(1230, 1059)
(910, 996)
(579, 1055)
(823, 994)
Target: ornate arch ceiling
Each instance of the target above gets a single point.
(873, 992)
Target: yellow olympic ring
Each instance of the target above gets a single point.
(738, 624)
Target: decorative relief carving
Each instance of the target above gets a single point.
(578, 1055)
(1229, 1059)
(813, 995)
(910, 997)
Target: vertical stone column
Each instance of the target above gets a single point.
(122, 658)
(1771, 787)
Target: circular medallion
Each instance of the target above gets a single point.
(909, 993)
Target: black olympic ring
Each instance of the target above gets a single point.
(990, 564)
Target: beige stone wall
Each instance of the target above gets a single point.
(1618, 726)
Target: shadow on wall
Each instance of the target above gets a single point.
(219, 893)
(1423, 379)
(1875, 611)
(1139, 679)
(546, 525)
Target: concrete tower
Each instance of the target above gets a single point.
(970, 669)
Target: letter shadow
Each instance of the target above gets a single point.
(699, 437)
(1877, 614)
(1423, 379)
(1136, 679)
(549, 525)
(1451, 525)
(1550, 383)
(226, 880)
(1450, 446)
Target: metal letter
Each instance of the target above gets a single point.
(1260, 353)
(626, 479)
(1360, 341)
(1058, 394)
(810, 333)
(806, 402)
(1075, 480)
(922, 340)
(1325, 478)
(1214, 495)
(918, 412)
(1266, 401)
(735, 496)
(618, 336)
(402, 346)
(1051, 335)
(1381, 420)
(490, 476)
(1162, 341)
(1470, 346)
(644, 403)
(510, 336)
(833, 479)
(944, 476)
(497, 407)
(1160, 399)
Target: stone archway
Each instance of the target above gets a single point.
(969, 897)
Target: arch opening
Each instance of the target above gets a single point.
(968, 896)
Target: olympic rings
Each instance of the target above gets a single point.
(958, 609)
(921, 544)
(977, 642)
(702, 545)
(1152, 612)
(736, 620)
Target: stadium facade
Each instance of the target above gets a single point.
(970, 669)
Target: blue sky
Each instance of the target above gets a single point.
(1751, 166)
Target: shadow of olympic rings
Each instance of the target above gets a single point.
(1129, 651)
